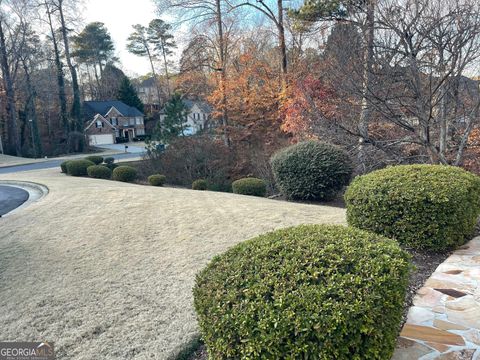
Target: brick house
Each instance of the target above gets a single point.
(106, 118)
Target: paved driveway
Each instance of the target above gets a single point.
(105, 269)
(132, 148)
(10, 198)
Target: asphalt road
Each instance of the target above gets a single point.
(55, 163)
(11, 198)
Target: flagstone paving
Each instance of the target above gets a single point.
(444, 321)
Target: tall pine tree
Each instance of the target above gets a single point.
(128, 94)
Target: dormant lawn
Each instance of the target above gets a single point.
(105, 269)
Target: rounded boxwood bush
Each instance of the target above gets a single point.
(109, 160)
(200, 184)
(78, 167)
(308, 292)
(63, 166)
(430, 207)
(250, 186)
(311, 170)
(157, 180)
(99, 172)
(96, 159)
(124, 173)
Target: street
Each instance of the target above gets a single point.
(54, 163)
(10, 198)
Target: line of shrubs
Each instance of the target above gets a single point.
(332, 292)
(105, 168)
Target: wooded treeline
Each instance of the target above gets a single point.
(50, 63)
(393, 81)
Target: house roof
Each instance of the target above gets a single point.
(99, 117)
(205, 107)
(149, 82)
(91, 108)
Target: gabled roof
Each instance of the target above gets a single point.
(204, 106)
(101, 118)
(149, 82)
(91, 108)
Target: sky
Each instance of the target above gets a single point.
(119, 16)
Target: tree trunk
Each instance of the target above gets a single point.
(281, 38)
(12, 126)
(154, 75)
(166, 69)
(223, 74)
(31, 108)
(60, 76)
(369, 34)
(76, 110)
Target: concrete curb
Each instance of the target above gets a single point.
(35, 193)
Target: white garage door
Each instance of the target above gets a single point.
(101, 139)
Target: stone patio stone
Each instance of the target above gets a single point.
(427, 333)
(445, 317)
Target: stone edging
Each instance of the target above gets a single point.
(444, 321)
(35, 192)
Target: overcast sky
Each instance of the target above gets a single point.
(119, 16)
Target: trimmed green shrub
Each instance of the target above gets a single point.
(78, 167)
(96, 159)
(311, 170)
(308, 292)
(200, 184)
(63, 166)
(157, 180)
(430, 207)
(109, 160)
(220, 187)
(124, 173)
(250, 186)
(99, 172)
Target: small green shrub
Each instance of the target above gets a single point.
(78, 167)
(250, 186)
(99, 172)
(96, 159)
(200, 184)
(311, 170)
(157, 180)
(124, 173)
(63, 166)
(309, 292)
(109, 160)
(220, 187)
(430, 207)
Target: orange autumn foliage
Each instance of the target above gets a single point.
(253, 101)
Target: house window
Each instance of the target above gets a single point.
(99, 124)
(139, 121)
(114, 121)
(204, 116)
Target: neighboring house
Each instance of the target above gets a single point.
(147, 91)
(199, 116)
(111, 120)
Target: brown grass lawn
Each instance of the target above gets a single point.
(105, 269)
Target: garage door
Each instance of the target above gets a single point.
(101, 139)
